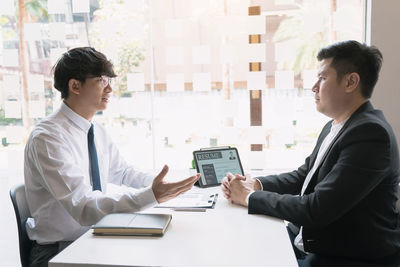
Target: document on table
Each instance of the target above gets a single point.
(191, 200)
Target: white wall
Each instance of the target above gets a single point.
(385, 23)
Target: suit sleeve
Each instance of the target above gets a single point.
(286, 183)
(292, 182)
(363, 161)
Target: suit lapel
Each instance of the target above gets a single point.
(364, 107)
(313, 156)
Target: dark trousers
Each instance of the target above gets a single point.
(41, 254)
(315, 260)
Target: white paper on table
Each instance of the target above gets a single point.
(175, 55)
(13, 109)
(256, 52)
(201, 54)
(135, 82)
(57, 31)
(80, 6)
(190, 200)
(256, 25)
(173, 28)
(175, 82)
(256, 80)
(10, 58)
(202, 81)
(309, 78)
(56, 6)
(284, 79)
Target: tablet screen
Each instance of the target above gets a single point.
(213, 164)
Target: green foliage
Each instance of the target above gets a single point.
(37, 9)
(3, 20)
(306, 42)
(111, 33)
(310, 29)
(8, 121)
(129, 56)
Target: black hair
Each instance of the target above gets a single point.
(352, 56)
(79, 63)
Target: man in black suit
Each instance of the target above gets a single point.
(341, 203)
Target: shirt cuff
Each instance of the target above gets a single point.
(261, 186)
(248, 197)
(146, 197)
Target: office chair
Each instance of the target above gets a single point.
(18, 198)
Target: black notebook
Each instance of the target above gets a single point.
(132, 224)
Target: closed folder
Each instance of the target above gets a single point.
(132, 224)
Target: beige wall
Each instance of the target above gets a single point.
(385, 22)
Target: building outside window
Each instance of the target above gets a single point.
(191, 73)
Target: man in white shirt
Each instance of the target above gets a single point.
(341, 203)
(70, 159)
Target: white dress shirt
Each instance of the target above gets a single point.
(335, 128)
(57, 178)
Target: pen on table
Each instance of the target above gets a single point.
(190, 209)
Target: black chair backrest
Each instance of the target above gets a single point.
(21, 209)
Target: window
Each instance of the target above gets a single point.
(192, 73)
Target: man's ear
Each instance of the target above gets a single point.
(352, 82)
(74, 86)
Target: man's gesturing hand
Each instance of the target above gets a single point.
(164, 191)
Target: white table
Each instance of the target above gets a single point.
(224, 236)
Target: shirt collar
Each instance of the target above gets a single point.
(336, 127)
(77, 119)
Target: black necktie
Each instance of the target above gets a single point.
(94, 165)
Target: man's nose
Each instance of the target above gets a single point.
(315, 87)
(108, 88)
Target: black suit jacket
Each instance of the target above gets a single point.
(348, 209)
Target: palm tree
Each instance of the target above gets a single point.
(308, 43)
(24, 66)
(31, 10)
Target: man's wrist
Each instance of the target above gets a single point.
(248, 197)
(257, 185)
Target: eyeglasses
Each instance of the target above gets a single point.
(105, 81)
